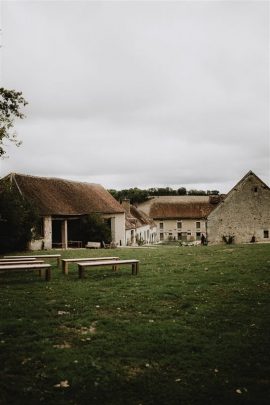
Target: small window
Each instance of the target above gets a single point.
(161, 225)
(179, 225)
(255, 189)
(198, 225)
(266, 234)
(161, 236)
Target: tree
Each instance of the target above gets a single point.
(182, 191)
(93, 228)
(17, 220)
(11, 102)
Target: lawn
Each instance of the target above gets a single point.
(192, 328)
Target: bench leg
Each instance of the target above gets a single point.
(59, 262)
(135, 269)
(65, 268)
(48, 274)
(81, 272)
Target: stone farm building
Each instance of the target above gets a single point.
(62, 203)
(243, 214)
(180, 218)
(139, 227)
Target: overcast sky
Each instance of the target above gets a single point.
(149, 93)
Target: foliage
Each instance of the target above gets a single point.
(140, 241)
(11, 102)
(137, 196)
(94, 229)
(17, 219)
(191, 328)
(228, 239)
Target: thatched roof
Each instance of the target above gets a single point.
(54, 196)
(180, 207)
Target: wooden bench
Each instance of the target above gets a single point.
(111, 245)
(93, 245)
(85, 259)
(57, 257)
(114, 263)
(76, 243)
(15, 262)
(28, 259)
(27, 267)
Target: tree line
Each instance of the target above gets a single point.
(137, 195)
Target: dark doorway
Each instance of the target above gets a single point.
(56, 233)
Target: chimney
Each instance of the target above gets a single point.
(126, 205)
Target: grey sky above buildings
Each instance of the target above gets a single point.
(149, 93)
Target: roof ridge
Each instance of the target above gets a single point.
(51, 178)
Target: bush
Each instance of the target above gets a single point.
(228, 239)
(17, 220)
(93, 228)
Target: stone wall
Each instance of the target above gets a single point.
(244, 214)
(173, 227)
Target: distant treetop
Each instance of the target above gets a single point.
(136, 195)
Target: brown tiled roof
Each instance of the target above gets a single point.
(180, 210)
(54, 196)
(186, 207)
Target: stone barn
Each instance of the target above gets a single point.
(62, 203)
(243, 215)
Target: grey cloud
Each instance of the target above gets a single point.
(155, 93)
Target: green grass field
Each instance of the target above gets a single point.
(192, 328)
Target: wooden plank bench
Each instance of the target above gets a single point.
(28, 259)
(93, 245)
(114, 263)
(56, 256)
(84, 259)
(9, 262)
(27, 267)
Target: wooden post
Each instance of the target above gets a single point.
(135, 268)
(48, 274)
(81, 271)
(64, 267)
(64, 234)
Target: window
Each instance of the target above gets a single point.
(198, 225)
(255, 189)
(183, 236)
(161, 236)
(179, 225)
(161, 225)
(266, 234)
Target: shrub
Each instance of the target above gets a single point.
(93, 228)
(18, 219)
(228, 239)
